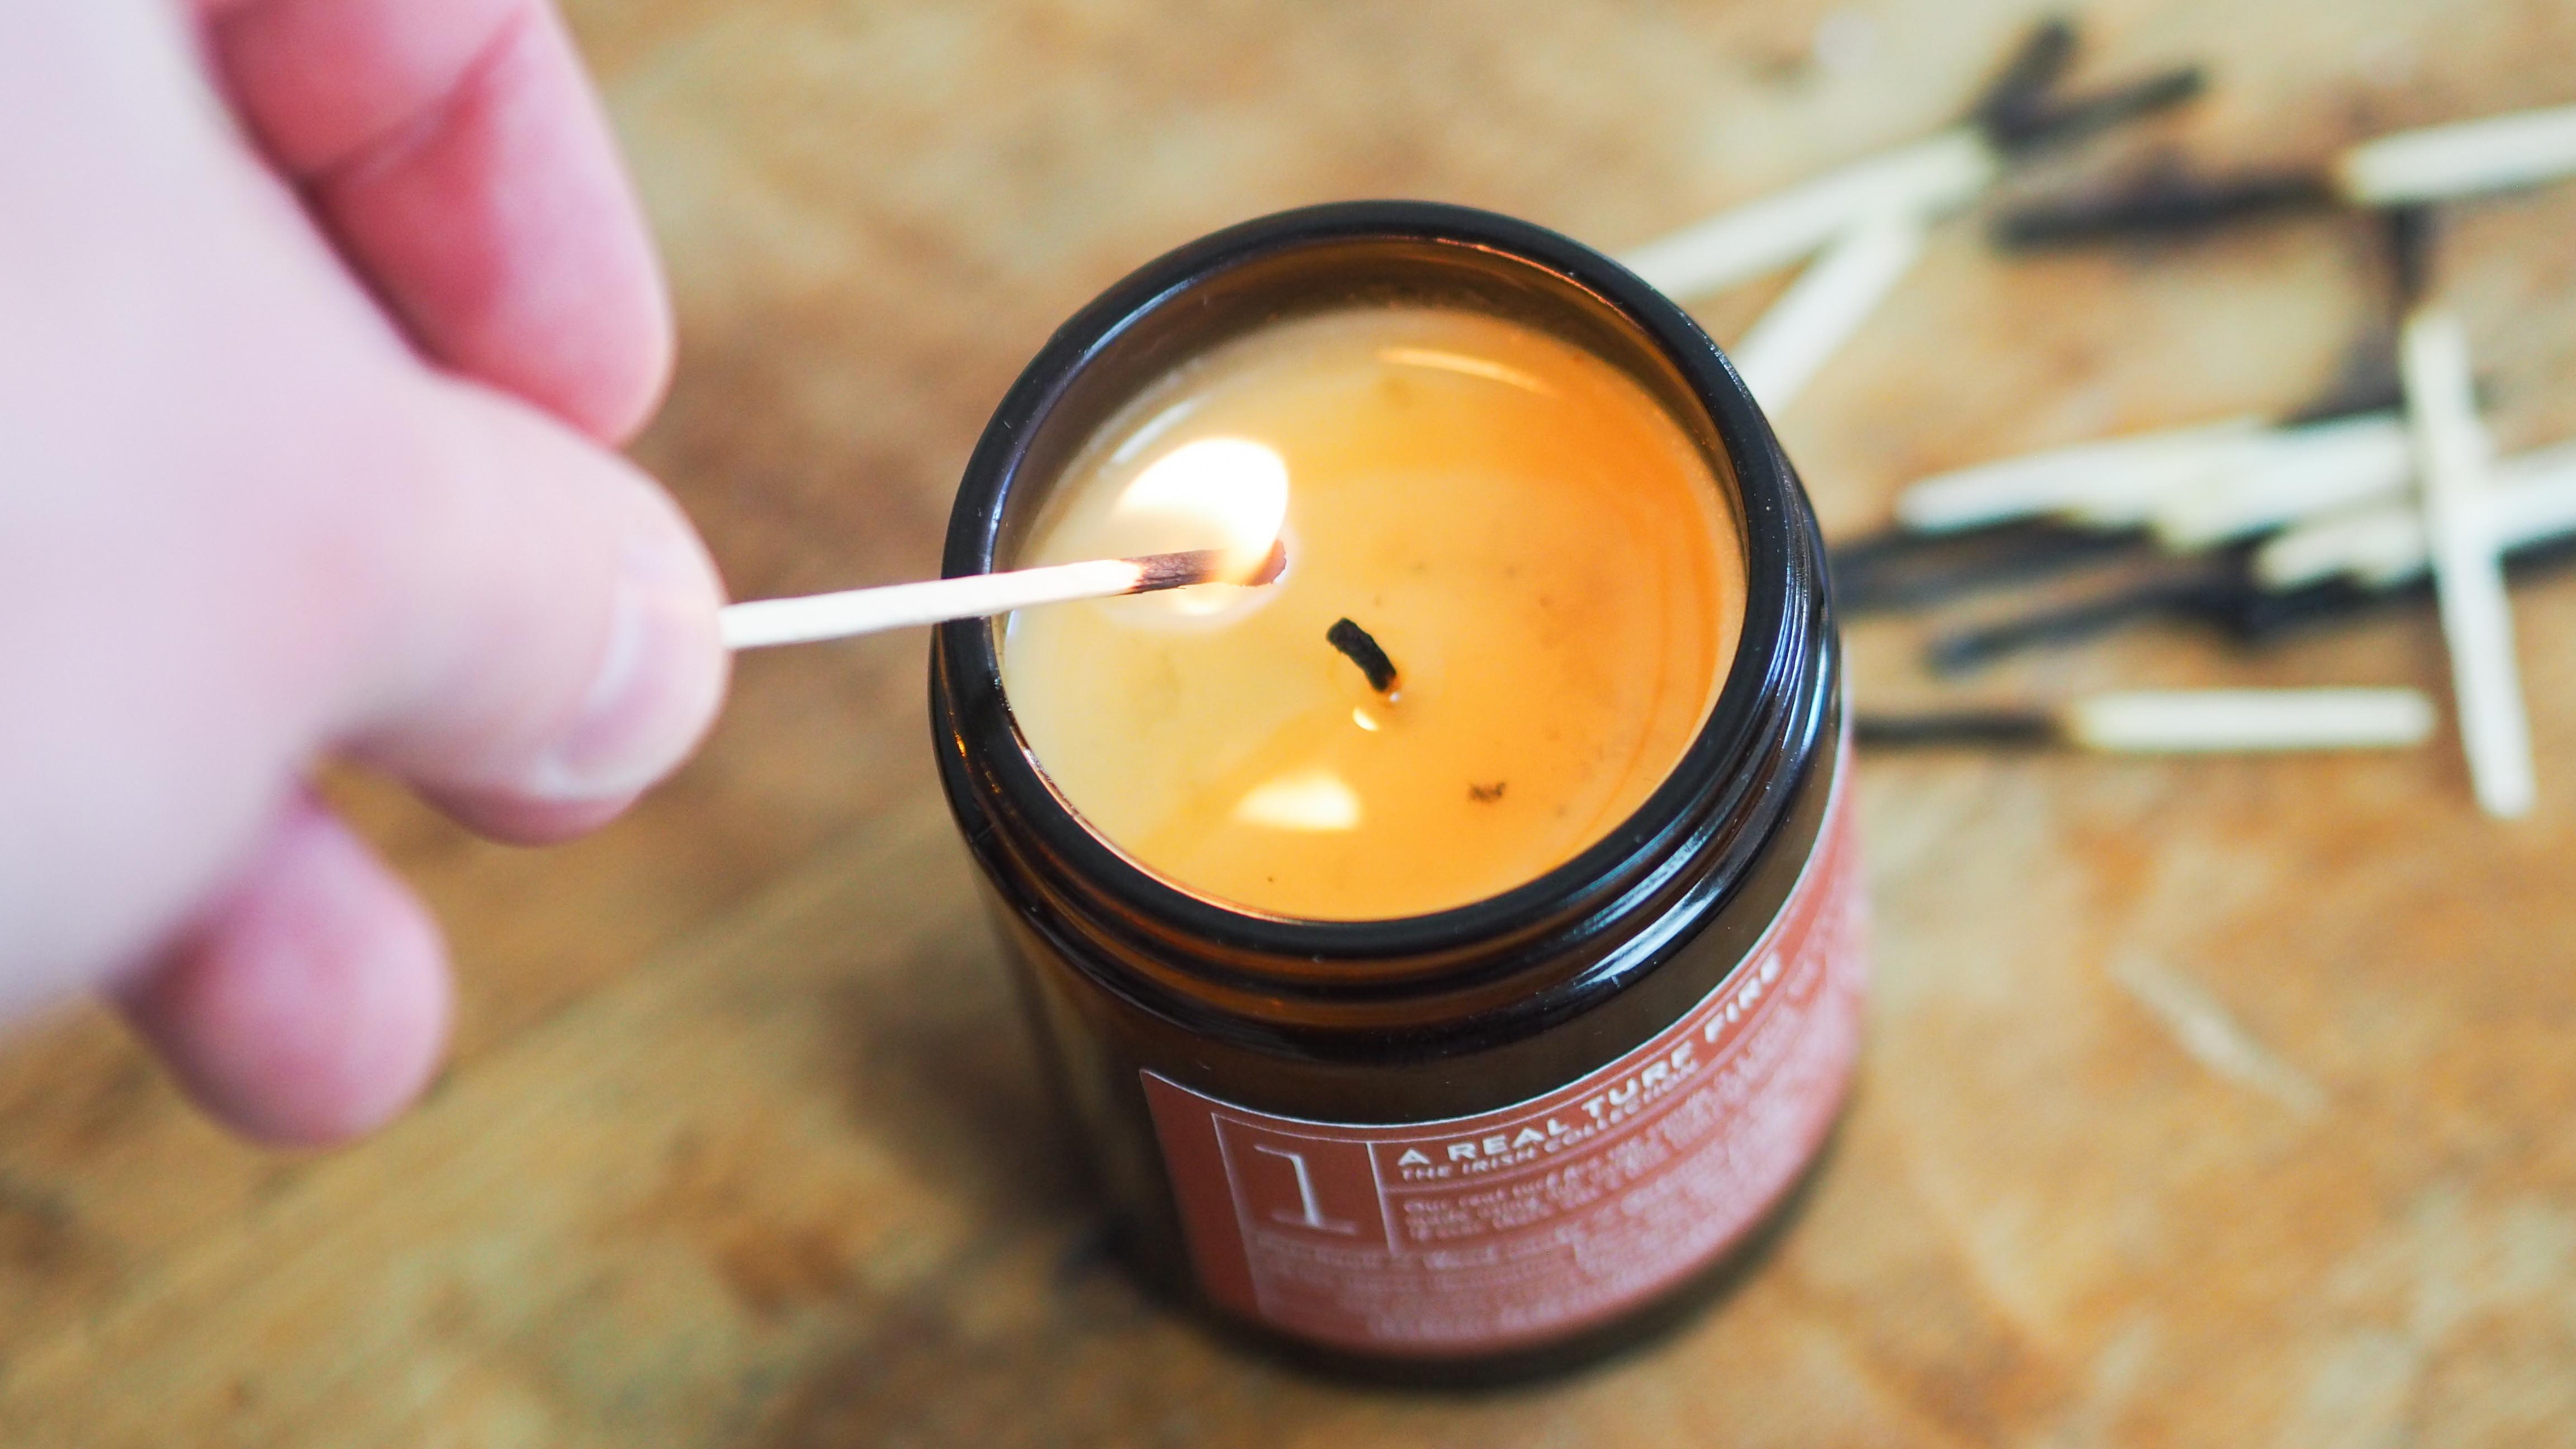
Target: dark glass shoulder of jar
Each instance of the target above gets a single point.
(1427, 1017)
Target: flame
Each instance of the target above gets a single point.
(1222, 493)
(1310, 799)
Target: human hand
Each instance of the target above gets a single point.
(316, 318)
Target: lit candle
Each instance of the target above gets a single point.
(1528, 536)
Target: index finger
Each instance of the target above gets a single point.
(457, 153)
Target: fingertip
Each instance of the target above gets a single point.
(624, 390)
(311, 1005)
(658, 681)
(460, 156)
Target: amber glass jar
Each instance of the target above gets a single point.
(1489, 1141)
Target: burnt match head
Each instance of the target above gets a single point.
(2410, 253)
(2162, 202)
(2022, 110)
(2022, 86)
(1273, 564)
(1362, 650)
(2004, 728)
(1158, 571)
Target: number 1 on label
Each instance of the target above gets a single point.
(1313, 1211)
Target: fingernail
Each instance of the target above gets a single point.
(658, 681)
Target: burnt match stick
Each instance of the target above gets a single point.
(2409, 168)
(2165, 202)
(2177, 721)
(2333, 568)
(2018, 114)
(2210, 586)
(1894, 569)
(765, 622)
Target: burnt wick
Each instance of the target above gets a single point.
(1360, 649)
(1487, 794)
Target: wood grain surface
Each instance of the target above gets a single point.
(2214, 1103)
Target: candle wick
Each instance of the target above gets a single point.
(1360, 649)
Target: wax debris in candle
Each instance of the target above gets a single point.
(1536, 543)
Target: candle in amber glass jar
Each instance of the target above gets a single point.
(1448, 954)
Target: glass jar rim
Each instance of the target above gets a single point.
(984, 755)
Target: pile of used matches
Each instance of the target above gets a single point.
(2385, 489)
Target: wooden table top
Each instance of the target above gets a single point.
(2205, 1103)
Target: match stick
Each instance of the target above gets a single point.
(1829, 301)
(2192, 486)
(2290, 474)
(1927, 178)
(765, 622)
(2531, 500)
(2178, 721)
(2465, 158)
(2452, 455)
(2113, 483)
(2407, 168)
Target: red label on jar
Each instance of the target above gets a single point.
(1511, 1227)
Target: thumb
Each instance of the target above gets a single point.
(544, 644)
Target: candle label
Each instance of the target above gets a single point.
(1490, 1232)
